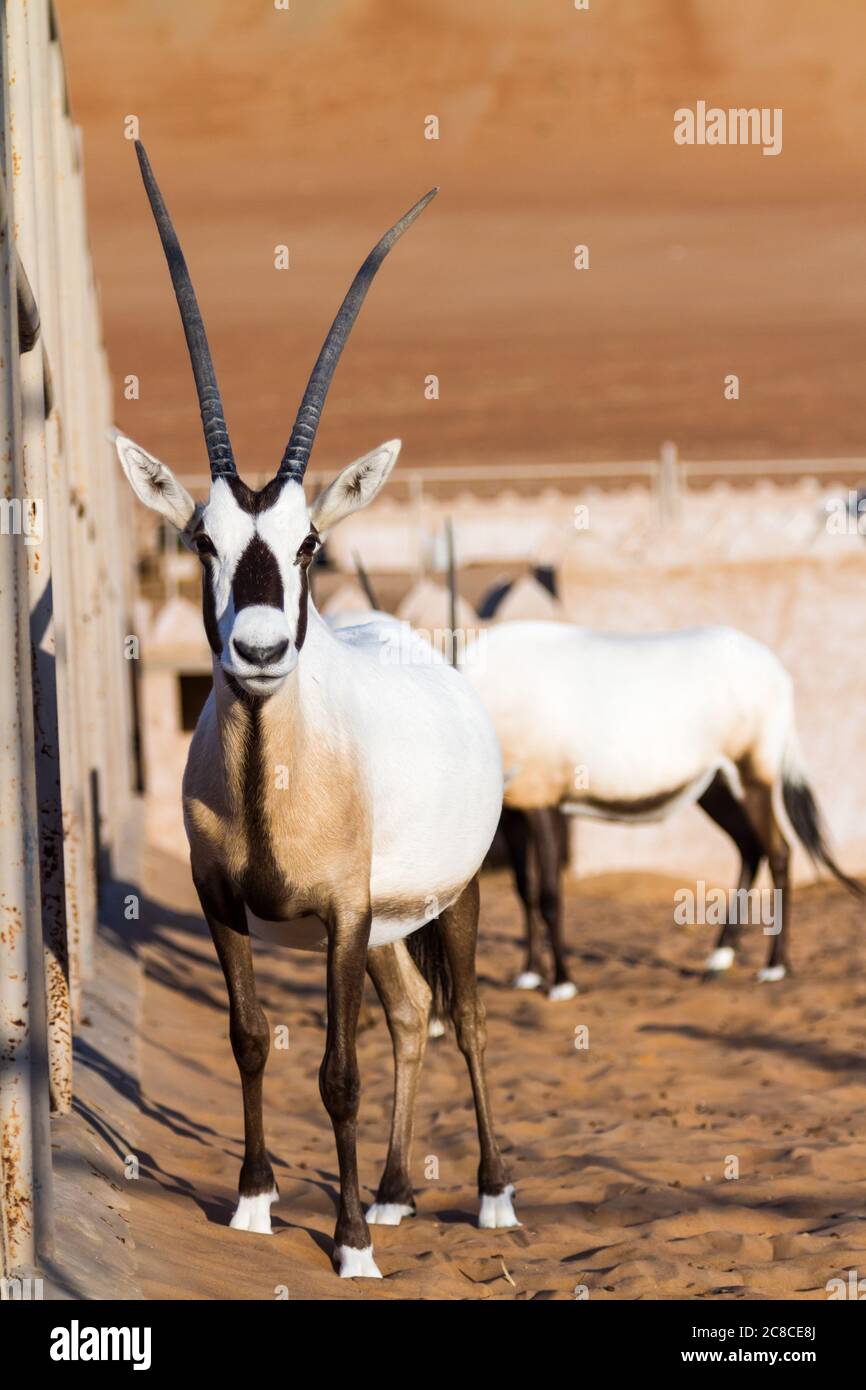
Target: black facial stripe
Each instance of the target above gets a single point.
(211, 626)
(301, 630)
(257, 577)
(253, 503)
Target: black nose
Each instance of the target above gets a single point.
(261, 656)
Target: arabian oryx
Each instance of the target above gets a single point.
(341, 791)
(631, 728)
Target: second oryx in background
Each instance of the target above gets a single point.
(631, 728)
(340, 791)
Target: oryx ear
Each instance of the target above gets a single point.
(354, 487)
(153, 483)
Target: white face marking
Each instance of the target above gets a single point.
(258, 639)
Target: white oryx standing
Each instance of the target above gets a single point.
(338, 794)
(631, 728)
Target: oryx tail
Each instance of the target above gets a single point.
(804, 814)
(427, 950)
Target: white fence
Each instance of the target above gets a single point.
(667, 469)
(65, 591)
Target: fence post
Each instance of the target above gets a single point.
(48, 114)
(25, 1144)
(416, 497)
(21, 96)
(65, 751)
(116, 522)
(77, 497)
(668, 483)
(451, 563)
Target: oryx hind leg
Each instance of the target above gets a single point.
(515, 829)
(406, 998)
(779, 858)
(250, 1039)
(732, 815)
(546, 827)
(459, 927)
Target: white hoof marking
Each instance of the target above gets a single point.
(722, 958)
(771, 973)
(565, 990)
(497, 1213)
(254, 1213)
(388, 1213)
(527, 979)
(436, 1028)
(356, 1264)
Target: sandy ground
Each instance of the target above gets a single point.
(618, 1151)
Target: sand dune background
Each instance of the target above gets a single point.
(305, 128)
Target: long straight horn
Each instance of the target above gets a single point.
(299, 447)
(216, 435)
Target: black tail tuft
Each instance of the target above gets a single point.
(805, 817)
(428, 952)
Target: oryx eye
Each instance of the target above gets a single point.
(203, 544)
(308, 548)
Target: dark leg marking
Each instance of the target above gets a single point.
(731, 816)
(248, 1026)
(779, 857)
(459, 927)
(339, 1079)
(405, 997)
(546, 834)
(515, 828)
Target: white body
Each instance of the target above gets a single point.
(630, 727)
(425, 751)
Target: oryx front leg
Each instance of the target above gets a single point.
(340, 1086)
(405, 997)
(250, 1039)
(459, 927)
